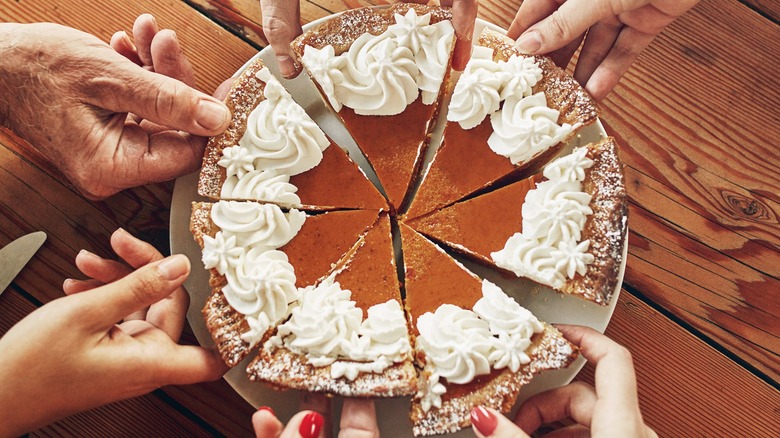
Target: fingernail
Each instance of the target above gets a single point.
(211, 115)
(311, 425)
(286, 66)
(127, 40)
(174, 266)
(529, 42)
(85, 253)
(483, 420)
(268, 409)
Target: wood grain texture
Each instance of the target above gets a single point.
(768, 8)
(702, 173)
(687, 388)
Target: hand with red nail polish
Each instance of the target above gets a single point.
(358, 420)
(114, 336)
(108, 116)
(611, 409)
(617, 31)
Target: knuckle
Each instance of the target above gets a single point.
(277, 29)
(558, 27)
(167, 98)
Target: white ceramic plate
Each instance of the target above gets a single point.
(393, 413)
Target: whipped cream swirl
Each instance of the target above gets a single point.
(328, 329)
(257, 225)
(525, 127)
(279, 134)
(383, 74)
(261, 287)
(550, 249)
(461, 344)
(486, 83)
(264, 185)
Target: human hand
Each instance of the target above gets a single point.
(282, 18)
(609, 410)
(617, 31)
(113, 337)
(358, 420)
(107, 122)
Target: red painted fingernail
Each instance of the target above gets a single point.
(311, 425)
(483, 420)
(267, 408)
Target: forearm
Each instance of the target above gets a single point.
(7, 49)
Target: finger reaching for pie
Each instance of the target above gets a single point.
(614, 33)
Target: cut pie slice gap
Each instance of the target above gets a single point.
(474, 344)
(272, 151)
(509, 115)
(258, 256)
(384, 71)
(564, 229)
(348, 336)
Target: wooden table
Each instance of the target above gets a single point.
(698, 118)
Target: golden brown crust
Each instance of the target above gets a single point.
(550, 350)
(223, 322)
(342, 30)
(244, 96)
(285, 369)
(561, 90)
(606, 227)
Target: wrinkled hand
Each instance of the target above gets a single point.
(282, 24)
(611, 409)
(617, 31)
(113, 337)
(358, 420)
(109, 123)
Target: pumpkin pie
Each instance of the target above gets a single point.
(509, 115)
(273, 151)
(259, 256)
(474, 344)
(564, 229)
(384, 71)
(360, 304)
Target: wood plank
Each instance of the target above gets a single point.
(115, 419)
(768, 8)
(706, 394)
(704, 181)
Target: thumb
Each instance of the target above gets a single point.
(568, 22)
(281, 25)
(106, 305)
(162, 100)
(488, 422)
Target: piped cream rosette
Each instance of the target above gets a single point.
(550, 249)
(329, 330)
(280, 141)
(383, 74)
(523, 125)
(461, 344)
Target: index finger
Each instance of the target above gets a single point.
(464, 15)
(567, 22)
(281, 24)
(615, 379)
(358, 419)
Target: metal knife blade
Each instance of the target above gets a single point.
(16, 254)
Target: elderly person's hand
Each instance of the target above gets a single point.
(611, 409)
(107, 122)
(617, 31)
(113, 337)
(282, 24)
(358, 420)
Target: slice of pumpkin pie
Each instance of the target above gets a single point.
(475, 345)
(509, 115)
(347, 335)
(383, 71)
(272, 151)
(564, 228)
(259, 256)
